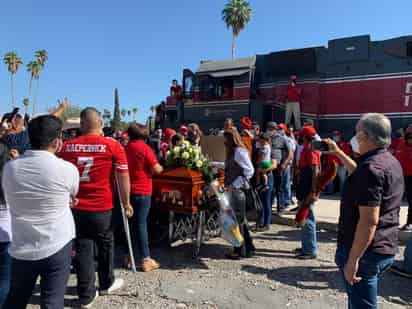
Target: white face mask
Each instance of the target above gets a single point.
(354, 144)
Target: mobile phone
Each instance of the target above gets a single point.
(320, 146)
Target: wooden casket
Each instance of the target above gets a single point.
(177, 189)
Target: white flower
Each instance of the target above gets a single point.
(176, 150)
(185, 155)
(199, 164)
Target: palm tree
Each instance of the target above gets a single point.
(123, 113)
(134, 110)
(26, 103)
(236, 15)
(34, 67)
(129, 113)
(41, 56)
(13, 62)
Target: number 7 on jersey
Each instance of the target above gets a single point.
(88, 163)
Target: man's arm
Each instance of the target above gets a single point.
(63, 105)
(124, 192)
(349, 164)
(365, 232)
(289, 156)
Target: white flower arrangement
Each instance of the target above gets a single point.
(191, 157)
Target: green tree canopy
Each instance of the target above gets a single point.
(236, 14)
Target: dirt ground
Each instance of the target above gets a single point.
(271, 279)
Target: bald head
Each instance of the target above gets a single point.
(90, 121)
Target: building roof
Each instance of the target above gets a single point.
(240, 64)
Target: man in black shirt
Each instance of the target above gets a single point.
(369, 214)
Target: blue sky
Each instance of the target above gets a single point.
(139, 46)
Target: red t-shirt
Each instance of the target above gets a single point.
(293, 94)
(140, 158)
(176, 91)
(404, 155)
(96, 158)
(308, 157)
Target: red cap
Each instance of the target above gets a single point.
(183, 129)
(169, 133)
(246, 123)
(282, 127)
(124, 136)
(308, 131)
(336, 133)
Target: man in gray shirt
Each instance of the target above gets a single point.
(282, 153)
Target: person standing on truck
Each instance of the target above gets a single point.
(293, 97)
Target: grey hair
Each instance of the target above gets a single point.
(377, 127)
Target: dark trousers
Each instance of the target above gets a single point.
(94, 229)
(54, 272)
(5, 271)
(138, 224)
(277, 181)
(239, 205)
(408, 191)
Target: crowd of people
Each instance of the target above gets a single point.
(57, 197)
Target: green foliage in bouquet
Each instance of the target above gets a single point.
(191, 157)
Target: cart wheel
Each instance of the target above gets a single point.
(199, 235)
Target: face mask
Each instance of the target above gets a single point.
(354, 144)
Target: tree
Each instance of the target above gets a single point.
(129, 113)
(41, 56)
(236, 14)
(134, 110)
(26, 103)
(107, 117)
(13, 62)
(34, 68)
(117, 121)
(124, 112)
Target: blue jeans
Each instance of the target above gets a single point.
(341, 174)
(138, 224)
(285, 188)
(5, 271)
(266, 198)
(308, 235)
(364, 294)
(407, 263)
(54, 272)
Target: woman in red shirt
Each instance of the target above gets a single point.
(142, 165)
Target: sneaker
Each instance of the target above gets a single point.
(400, 271)
(294, 209)
(90, 304)
(265, 228)
(297, 251)
(117, 284)
(407, 227)
(303, 256)
(149, 265)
